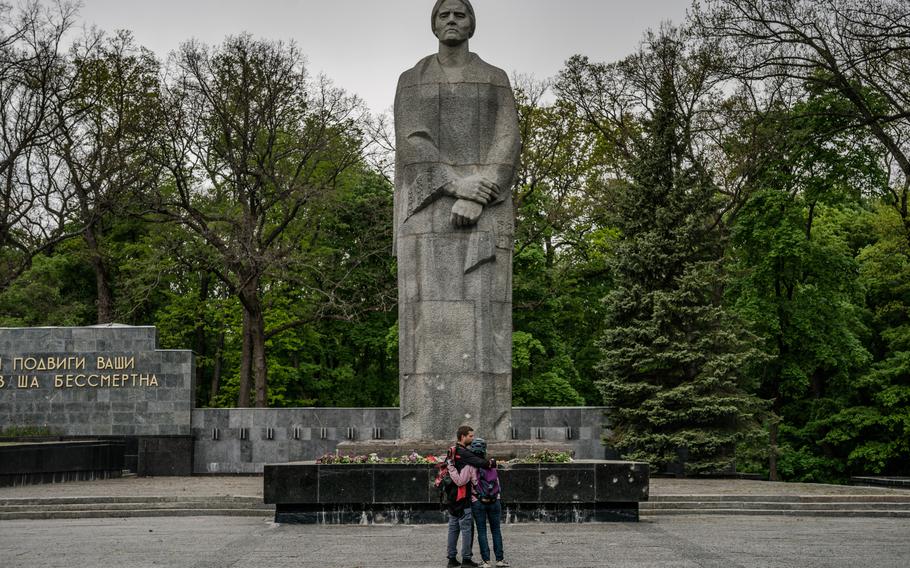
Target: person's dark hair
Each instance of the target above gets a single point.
(468, 7)
(462, 432)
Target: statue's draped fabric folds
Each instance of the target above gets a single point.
(455, 280)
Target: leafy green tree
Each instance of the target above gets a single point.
(559, 263)
(252, 148)
(673, 355)
(796, 277)
(797, 286)
(872, 429)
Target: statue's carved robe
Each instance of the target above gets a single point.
(454, 284)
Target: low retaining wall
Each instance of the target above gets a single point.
(243, 440)
(54, 462)
(584, 491)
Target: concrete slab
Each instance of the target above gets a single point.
(717, 542)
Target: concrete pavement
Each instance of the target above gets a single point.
(243, 486)
(677, 542)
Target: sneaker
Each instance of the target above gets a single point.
(469, 562)
(502, 564)
(453, 563)
(485, 564)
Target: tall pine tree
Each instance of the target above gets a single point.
(673, 357)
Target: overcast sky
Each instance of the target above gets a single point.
(364, 45)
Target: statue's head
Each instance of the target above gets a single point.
(453, 21)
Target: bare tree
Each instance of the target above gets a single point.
(616, 99)
(35, 204)
(107, 122)
(857, 50)
(253, 147)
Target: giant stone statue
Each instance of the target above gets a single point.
(458, 144)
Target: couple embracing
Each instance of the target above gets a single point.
(477, 501)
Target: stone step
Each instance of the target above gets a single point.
(752, 505)
(102, 514)
(134, 499)
(884, 498)
(903, 514)
(136, 505)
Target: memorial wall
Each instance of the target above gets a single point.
(107, 380)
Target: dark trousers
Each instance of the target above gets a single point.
(460, 525)
(491, 513)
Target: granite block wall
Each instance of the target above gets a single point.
(107, 380)
(243, 440)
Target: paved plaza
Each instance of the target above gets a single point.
(678, 542)
(689, 541)
(251, 486)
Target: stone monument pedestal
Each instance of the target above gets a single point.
(501, 450)
(357, 494)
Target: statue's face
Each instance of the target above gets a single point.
(453, 23)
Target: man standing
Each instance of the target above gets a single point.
(463, 465)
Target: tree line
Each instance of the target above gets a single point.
(713, 235)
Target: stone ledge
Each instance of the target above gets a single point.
(581, 491)
(501, 450)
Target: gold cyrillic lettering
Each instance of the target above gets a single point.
(23, 382)
(77, 383)
(154, 381)
(90, 383)
(80, 363)
(58, 381)
(17, 363)
(2, 382)
(30, 363)
(41, 366)
(34, 384)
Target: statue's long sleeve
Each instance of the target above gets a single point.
(505, 149)
(424, 175)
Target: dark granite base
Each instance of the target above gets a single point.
(53, 462)
(166, 456)
(873, 481)
(427, 514)
(581, 491)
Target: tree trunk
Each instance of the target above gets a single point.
(105, 301)
(216, 371)
(773, 439)
(199, 340)
(254, 343)
(772, 455)
(257, 336)
(243, 398)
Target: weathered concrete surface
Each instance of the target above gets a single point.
(302, 434)
(251, 486)
(716, 542)
(106, 380)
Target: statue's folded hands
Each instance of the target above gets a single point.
(466, 213)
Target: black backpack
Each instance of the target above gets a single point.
(446, 486)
